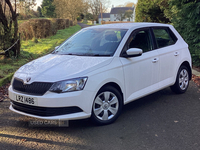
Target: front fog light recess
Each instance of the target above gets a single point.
(76, 84)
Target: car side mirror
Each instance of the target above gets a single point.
(53, 51)
(57, 47)
(133, 52)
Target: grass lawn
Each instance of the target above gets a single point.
(31, 50)
(21, 21)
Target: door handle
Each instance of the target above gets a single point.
(176, 53)
(155, 60)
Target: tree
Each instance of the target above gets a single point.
(127, 4)
(89, 16)
(130, 4)
(186, 19)
(39, 10)
(94, 7)
(120, 16)
(183, 14)
(68, 9)
(151, 11)
(33, 14)
(120, 5)
(123, 15)
(9, 26)
(48, 9)
(129, 14)
(25, 6)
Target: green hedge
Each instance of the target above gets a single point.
(42, 28)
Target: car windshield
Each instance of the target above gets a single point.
(92, 42)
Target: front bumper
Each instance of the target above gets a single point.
(53, 106)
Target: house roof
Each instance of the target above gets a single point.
(104, 15)
(116, 10)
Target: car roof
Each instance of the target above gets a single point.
(129, 25)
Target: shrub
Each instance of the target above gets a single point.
(67, 23)
(42, 28)
(78, 18)
(54, 26)
(38, 28)
(187, 21)
(61, 24)
(70, 22)
(23, 17)
(75, 22)
(25, 30)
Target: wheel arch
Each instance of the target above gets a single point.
(115, 85)
(186, 63)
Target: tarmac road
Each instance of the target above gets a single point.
(160, 121)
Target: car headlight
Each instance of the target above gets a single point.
(70, 85)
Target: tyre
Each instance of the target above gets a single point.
(107, 106)
(182, 81)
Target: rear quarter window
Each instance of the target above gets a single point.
(164, 37)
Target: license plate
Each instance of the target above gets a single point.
(26, 100)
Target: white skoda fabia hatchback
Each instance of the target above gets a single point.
(99, 69)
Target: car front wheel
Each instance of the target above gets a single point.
(107, 106)
(182, 81)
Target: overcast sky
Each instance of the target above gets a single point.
(112, 2)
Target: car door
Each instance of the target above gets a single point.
(141, 72)
(168, 54)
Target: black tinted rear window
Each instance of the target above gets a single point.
(164, 37)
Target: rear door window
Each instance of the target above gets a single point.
(164, 37)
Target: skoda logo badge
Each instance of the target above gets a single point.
(28, 79)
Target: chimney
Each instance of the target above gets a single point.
(112, 6)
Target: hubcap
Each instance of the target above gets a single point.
(183, 79)
(105, 105)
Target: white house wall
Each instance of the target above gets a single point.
(112, 17)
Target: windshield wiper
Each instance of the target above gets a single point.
(54, 52)
(99, 55)
(69, 54)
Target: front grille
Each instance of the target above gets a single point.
(45, 111)
(35, 88)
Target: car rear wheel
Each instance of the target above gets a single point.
(107, 106)
(182, 81)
